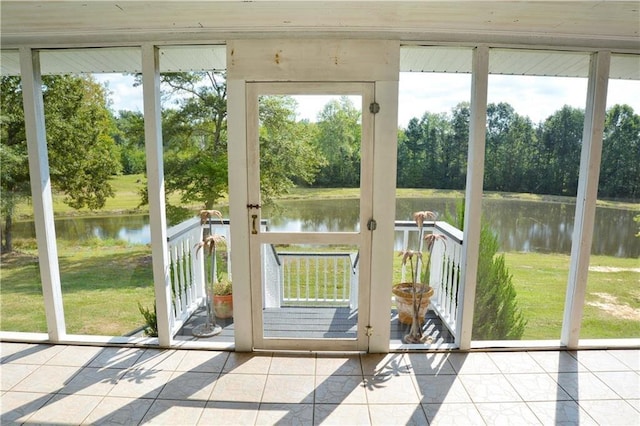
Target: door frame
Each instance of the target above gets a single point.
(361, 239)
(315, 60)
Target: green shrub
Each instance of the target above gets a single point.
(223, 288)
(151, 320)
(496, 313)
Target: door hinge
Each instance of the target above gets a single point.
(372, 225)
(253, 206)
(369, 331)
(374, 107)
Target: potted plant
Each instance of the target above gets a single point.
(210, 243)
(413, 297)
(223, 299)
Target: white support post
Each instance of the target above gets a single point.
(155, 176)
(473, 197)
(41, 192)
(239, 215)
(586, 198)
(384, 182)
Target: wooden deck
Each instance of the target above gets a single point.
(314, 323)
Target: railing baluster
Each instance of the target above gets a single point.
(447, 282)
(326, 279)
(288, 265)
(335, 282)
(183, 274)
(186, 268)
(317, 286)
(175, 285)
(298, 278)
(307, 283)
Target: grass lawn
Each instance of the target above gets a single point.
(101, 288)
(612, 308)
(102, 284)
(127, 200)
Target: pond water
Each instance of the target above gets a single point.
(531, 226)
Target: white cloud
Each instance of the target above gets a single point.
(534, 97)
(422, 92)
(624, 92)
(537, 97)
(122, 94)
(309, 106)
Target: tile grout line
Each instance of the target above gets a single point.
(264, 387)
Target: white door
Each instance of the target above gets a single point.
(310, 274)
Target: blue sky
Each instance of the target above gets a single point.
(535, 97)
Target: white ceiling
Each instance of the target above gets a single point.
(119, 60)
(603, 24)
(552, 37)
(515, 62)
(412, 58)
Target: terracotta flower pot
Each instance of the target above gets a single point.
(223, 306)
(404, 301)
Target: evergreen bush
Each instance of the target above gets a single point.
(496, 313)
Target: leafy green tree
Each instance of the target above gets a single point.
(432, 151)
(14, 179)
(620, 167)
(194, 128)
(411, 156)
(499, 119)
(130, 138)
(437, 132)
(561, 143)
(194, 134)
(82, 153)
(457, 174)
(287, 155)
(429, 156)
(338, 140)
(520, 156)
(511, 150)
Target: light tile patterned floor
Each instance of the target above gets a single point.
(87, 385)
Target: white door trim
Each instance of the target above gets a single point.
(361, 238)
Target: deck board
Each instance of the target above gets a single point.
(313, 323)
(310, 323)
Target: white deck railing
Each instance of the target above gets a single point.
(310, 278)
(445, 265)
(186, 271)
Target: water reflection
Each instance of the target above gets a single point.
(313, 216)
(134, 229)
(521, 225)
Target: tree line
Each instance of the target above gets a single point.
(520, 156)
(88, 143)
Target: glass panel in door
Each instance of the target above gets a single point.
(312, 145)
